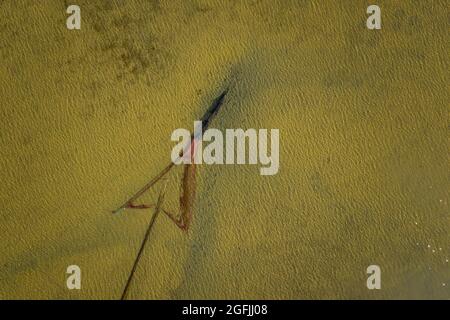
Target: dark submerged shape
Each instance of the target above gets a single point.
(213, 110)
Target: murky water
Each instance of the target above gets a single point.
(86, 118)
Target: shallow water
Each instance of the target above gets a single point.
(86, 119)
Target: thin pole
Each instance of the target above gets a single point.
(141, 250)
(145, 188)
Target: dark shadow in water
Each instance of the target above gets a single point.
(242, 89)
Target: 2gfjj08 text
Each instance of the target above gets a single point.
(248, 310)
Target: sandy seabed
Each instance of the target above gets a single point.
(86, 118)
